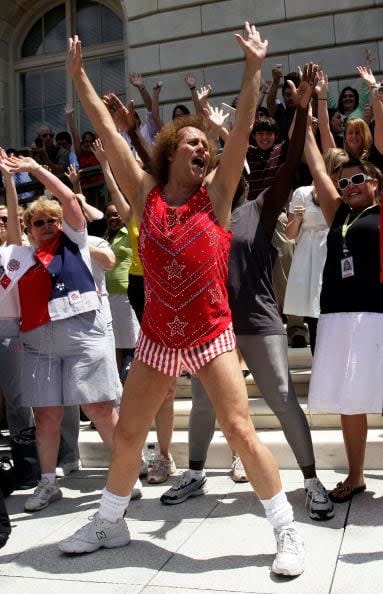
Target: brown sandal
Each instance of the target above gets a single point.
(343, 492)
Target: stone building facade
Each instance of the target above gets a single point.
(165, 39)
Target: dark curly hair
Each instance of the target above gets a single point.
(340, 100)
(166, 144)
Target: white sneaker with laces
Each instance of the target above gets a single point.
(290, 556)
(96, 534)
(238, 473)
(317, 500)
(44, 494)
(161, 468)
(67, 468)
(185, 487)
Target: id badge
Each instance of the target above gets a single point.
(347, 267)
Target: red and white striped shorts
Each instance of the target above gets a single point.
(175, 361)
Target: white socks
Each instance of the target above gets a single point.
(112, 507)
(49, 476)
(278, 511)
(196, 474)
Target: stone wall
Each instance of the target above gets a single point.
(166, 39)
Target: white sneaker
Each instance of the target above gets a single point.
(97, 534)
(68, 467)
(238, 473)
(137, 490)
(44, 494)
(317, 500)
(290, 556)
(161, 469)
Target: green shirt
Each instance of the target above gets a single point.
(117, 279)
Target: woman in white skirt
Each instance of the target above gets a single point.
(307, 225)
(348, 364)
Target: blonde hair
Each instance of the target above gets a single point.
(42, 206)
(334, 159)
(364, 131)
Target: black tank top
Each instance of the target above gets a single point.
(362, 291)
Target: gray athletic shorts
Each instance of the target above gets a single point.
(66, 362)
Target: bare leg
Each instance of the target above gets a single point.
(165, 421)
(354, 429)
(105, 417)
(48, 422)
(223, 381)
(144, 392)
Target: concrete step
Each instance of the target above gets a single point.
(328, 446)
(264, 418)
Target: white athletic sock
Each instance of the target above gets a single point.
(50, 477)
(112, 507)
(278, 511)
(196, 474)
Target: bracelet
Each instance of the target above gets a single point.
(141, 88)
(321, 99)
(192, 88)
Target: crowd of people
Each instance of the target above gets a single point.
(224, 235)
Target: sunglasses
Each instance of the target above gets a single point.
(42, 222)
(356, 180)
(4, 219)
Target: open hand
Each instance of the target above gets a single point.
(16, 164)
(123, 117)
(74, 57)
(321, 87)
(72, 174)
(136, 79)
(98, 151)
(367, 75)
(191, 80)
(253, 47)
(302, 95)
(203, 94)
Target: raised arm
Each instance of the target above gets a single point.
(137, 81)
(191, 81)
(223, 181)
(278, 193)
(156, 105)
(69, 114)
(328, 196)
(273, 90)
(377, 105)
(122, 206)
(321, 89)
(133, 181)
(13, 227)
(72, 212)
(124, 119)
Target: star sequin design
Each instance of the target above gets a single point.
(177, 326)
(215, 294)
(175, 270)
(172, 218)
(213, 238)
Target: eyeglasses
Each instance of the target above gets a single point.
(47, 134)
(356, 180)
(42, 222)
(4, 219)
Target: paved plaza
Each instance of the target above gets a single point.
(217, 543)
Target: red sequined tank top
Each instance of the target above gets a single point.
(184, 252)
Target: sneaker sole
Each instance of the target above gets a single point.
(322, 516)
(201, 491)
(90, 548)
(55, 497)
(288, 572)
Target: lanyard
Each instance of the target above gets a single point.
(346, 227)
